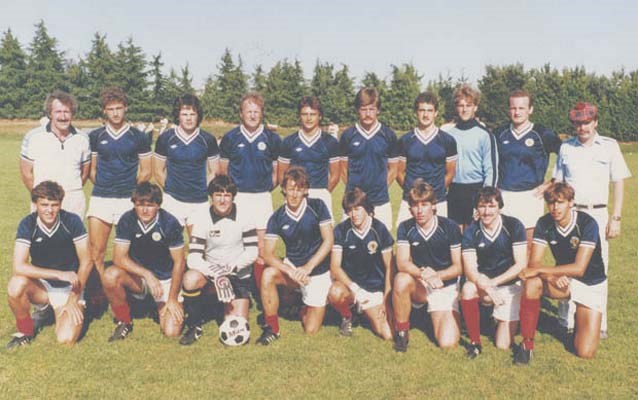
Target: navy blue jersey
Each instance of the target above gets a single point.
(361, 252)
(494, 252)
(250, 158)
(523, 157)
(117, 159)
(368, 154)
(53, 248)
(187, 158)
(426, 157)
(150, 244)
(431, 248)
(564, 243)
(314, 156)
(300, 232)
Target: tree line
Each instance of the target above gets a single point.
(27, 76)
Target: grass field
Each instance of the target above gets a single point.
(147, 365)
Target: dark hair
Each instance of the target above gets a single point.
(523, 93)
(64, 98)
(427, 98)
(558, 190)
(113, 94)
(421, 191)
(310, 101)
(488, 193)
(187, 101)
(357, 198)
(367, 96)
(298, 175)
(147, 191)
(222, 183)
(48, 190)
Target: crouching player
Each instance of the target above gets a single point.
(494, 251)
(305, 226)
(220, 256)
(429, 263)
(58, 246)
(148, 258)
(361, 264)
(579, 273)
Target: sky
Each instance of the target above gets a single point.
(457, 37)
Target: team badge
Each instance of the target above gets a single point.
(372, 247)
(261, 146)
(529, 142)
(574, 241)
(215, 233)
(156, 236)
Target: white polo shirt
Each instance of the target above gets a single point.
(55, 160)
(589, 169)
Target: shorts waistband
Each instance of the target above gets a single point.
(590, 206)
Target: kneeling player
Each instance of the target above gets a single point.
(305, 226)
(222, 250)
(494, 253)
(58, 246)
(148, 258)
(579, 273)
(361, 264)
(429, 263)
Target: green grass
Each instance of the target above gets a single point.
(148, 365)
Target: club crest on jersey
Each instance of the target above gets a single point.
(215, 233)
(261, 146)
(156, 236)
(372, 247)
(574, 241)
(529, 142)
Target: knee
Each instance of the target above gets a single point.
(191, 280)
(402, 282)
(586, 352)
(449, 341)
(67, 336)
(111, 277)
(312, 329)
(17, 286)
(533, 288)
(171, 329)
(268, 277)
(337, 294)
(469, 291)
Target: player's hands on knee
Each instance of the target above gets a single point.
(71, 277)
(74, 310)
(154, 285)
(483, 282)
(301, 275)
(497, 299)
(434, 282)
(174, 310)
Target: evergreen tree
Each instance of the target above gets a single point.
(222, 93)
(131, 75)
(13, 77)
(496, 86)
(340, 98)
(185, 81)
(159, 97)
(101, 71)
(284, 87)
(259, 80)
(398, 105)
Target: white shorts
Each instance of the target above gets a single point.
(108, 209)
(166, 288)
(74, 201)
(383, 213)
(443, 299)
(58, 296)
(405, 214)
(594, 296)
(523, 205)
(322, 194)
(186, 213)
(509, 310)
(374, 299)
(257, 207)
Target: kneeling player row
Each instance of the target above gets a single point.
(431, 257)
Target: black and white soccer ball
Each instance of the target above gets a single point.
(234, 331)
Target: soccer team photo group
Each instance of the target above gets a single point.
(488, 231)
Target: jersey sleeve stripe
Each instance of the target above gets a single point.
(192, 250)
(455, 246)
(325, 222)
(80, 238)
(159, 156)
(213, 158)
(271, 236)
(122, 241)
(249, 233)
(145, 155)
(197, 241)
(284, 160)
(469, 251)
(386, 249)
(516, 244)
(334, 159)
(24, 242)
(588, 244)
(177, 247)
(337, 247)
(452, 158)
(540, 241)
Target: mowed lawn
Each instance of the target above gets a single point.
(147, 365)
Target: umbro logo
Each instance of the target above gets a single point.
(298, 149)
(285, 227)
(352, 246)
(138, 235)
(356, 143)
(415, 243)
(553, 242)
(104, 142)
(173, 146)
(38, 240)
(481, 244)
(240, 145)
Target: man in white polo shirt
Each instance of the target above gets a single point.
(588, 162)
(58, 152)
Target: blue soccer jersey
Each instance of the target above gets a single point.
(300, 232)
(494, 251)
(314, 155)
(187, 158)
(250, 158)
(565, 242)
(118, 155)
(362, 258)
(426, 157)
(477, 153)
(368, 154)
(150, 244)
(53, 248)
(431, 248)
(523, 157)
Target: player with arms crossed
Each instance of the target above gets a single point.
(361, 263)
(314, 150)
(368, 151)
(148, 258)
(185, 160)
(222, 250)
(426, 152)
(56, 242)
(305, 226)
(494, 251)
(429, 263)
(579, 273)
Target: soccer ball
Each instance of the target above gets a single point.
(234, 331)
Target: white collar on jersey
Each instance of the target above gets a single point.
(47, 231)
(491, 236)
(296, 216)
(251, 136)
(117, 134)
(185, 137)
(428, 234)
(424, 137)
(146, 228)
(572, 222)
(518, 134)
(368, 134)
(365, 229)
(309, 141)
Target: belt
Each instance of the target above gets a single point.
(590, 206)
